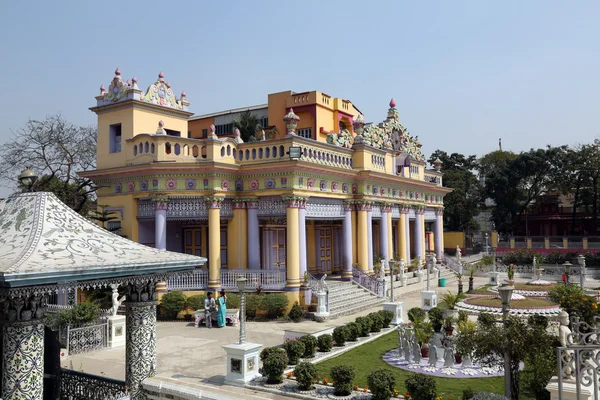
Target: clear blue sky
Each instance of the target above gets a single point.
(463, 73)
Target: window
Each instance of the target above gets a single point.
(115, 138)
(189, 134)
(264, 122)
(305, 133)
(224, 129)
(171, 132)
(114, 227)
(342, 126)
(204, 133)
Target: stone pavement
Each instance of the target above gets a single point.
(194, 356)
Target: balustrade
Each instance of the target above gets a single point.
(265, 279)
(369, 282)
(75, 385)
(198, 279)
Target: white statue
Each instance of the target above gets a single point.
(116, 302)
(434, 260)
(458, 253)
(565, 338)
(402, 266)
(432, 353)
(448, 356)
(382, 269)
(262, 135)
(322, 284)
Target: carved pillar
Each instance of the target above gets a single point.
(140, 328)
(439, 233)
(384, 240)
(347, 241)
(293, 243)
(419, 233)
(23, 347)
(370, 236)
(161, 204)
(302, 237)
(253, 235)
(362, 208)
(214, 242)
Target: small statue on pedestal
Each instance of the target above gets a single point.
(116, 302)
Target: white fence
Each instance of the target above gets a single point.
(197, 280)
(266, 279)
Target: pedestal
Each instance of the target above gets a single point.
(420, 276)
(493, 278)
(242, 363)
(322, 305)
(403, 280)
(382, 287)
(396, 308)
(116, 327)
(569, 390)
(428, 299)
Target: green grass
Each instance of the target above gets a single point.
(544, 288)
(369, 356)
(494, 302)
(481, 290)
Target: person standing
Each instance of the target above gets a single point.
(209, 307)
(222, 312)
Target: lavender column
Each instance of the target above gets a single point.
(439, 232)
(160, 223)
(407, 234)
(383, 234)
(253, 235)
(419, 233)
(347, 240)
(302, 237)
(370, 237)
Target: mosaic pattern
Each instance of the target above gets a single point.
(160, 93)
(117, 89)
(23, 361)
(140, 351)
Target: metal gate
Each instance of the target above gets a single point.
(87, 338)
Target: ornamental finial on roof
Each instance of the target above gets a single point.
(359, 124)
(212, 134)
(134, 82)
(161, 130)
(117, 71)
(437, 164)
(102, 90)
(183, 95)
(160, 76)
(392, 103)
(291, 121)
(168, 85)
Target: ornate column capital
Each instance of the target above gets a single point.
(349, 205)
(28, 309)
(404, 208)
(439, 212)
(214, 202)
(419, 210)
(160, 201)
(239, 204)
(386, 207)
(295, 202)
(252, 203)
(364, 205)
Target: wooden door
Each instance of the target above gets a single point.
(192, 241)
(325, 250)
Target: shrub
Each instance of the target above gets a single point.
(325, 342)
(305, 374)
(381, 383)
(520, 257)
(339, 335)
(485, 319)
(342, 376)
(310, 345)
(421, 387)
(274, 365)
(252, 304)
(376, 322)
(268, 350)
(488, 396)
(79, 314)
(274, 304)
(172, 303)
(294, 350)
(436, 314)
(572, 299)
(196, 302)
(387, 316)
(365, 326)
(234, 301)
(296, 312)
(468, 394)
(415, 314)
(352, 331)
(463, 316)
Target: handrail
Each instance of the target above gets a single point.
(371, 283)
(318, 286)
(454, 265)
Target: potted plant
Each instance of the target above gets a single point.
(448, 327)
(450, 301)
(464, 342)
(471, 276)
(377, 264)
(423, 332)
(511, 274)
(306, 277)
(436, 316)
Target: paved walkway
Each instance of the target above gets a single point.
(194, 355)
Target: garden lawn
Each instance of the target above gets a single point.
(494, 302)
(541, 288)
(481, 290)
(369, 356)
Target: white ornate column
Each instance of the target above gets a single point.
(384, 240)
(161, 205)
(406, 211)
(140, 350)
(23, 347)
(370, 236)
(418, 236)
(253, 235)
(347, 240)
(302, 237)
(438, 227)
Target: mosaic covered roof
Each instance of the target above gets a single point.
(43, 240)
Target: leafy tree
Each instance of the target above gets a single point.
(104, 216)
(56, 150)
(248, 125)
(461, 206)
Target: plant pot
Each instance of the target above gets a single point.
(424, 352)
(449, 331)
(458, 358)
(437, 327)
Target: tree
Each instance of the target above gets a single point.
(248, 125)
(104, 217)
(462, 204)
(524, 342)
(56, 150)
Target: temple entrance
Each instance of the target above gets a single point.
(325, 251)
(273, 256)
(194, 240)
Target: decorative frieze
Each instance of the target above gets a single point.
(271, 206)
(324, 208)
(386, 207)
(349, 205)
(364, 205)
(419, 210)
(295, 202)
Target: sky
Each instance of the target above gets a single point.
(463, 73)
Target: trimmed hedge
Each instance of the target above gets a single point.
(342, 376)
(325, 343)
(294, 350)
(381, 383)
(339, 335)
(310, 345)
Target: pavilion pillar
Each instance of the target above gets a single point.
(406, 210)
(23, 348)
(237, 249)
(419, 232)
(370, 237)
(253, 235)
(401, 233)
(347, 241)
(438, 227)
(214, 242)
(293, 242)
(302, 238)
(384, 240)
(161, 204)
(140, 330)
(362, 240)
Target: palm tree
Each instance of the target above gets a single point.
(247, 124)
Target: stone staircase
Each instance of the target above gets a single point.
(348, 298)
(413, 285)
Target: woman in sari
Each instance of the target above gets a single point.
(222, 310)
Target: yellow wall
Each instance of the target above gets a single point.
(129, 225)
(196, 126)
(452, 239)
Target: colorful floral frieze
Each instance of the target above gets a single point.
(131, 186)
(334, 186)
(171, 184)
(160, 93)
(239, 185)
(190, 184)
(270, 184)
(144, 185)
(253, 184)
(345, 188)
(225, 184)
(119, 188)
(342, 139)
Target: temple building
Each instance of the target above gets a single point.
(325, 193)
